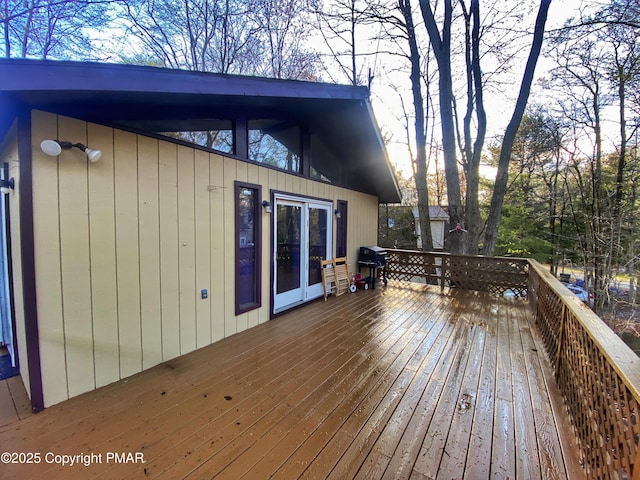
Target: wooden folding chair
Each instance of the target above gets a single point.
(342, 275)
(328, 277)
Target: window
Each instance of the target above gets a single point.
(212, 133)
(324, 164)
(220, 140)
(276, 144)
(247, 246)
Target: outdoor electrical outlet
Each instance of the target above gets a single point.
(203, 293)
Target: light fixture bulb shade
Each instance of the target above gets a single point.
(93, 155)
(6, 185)
(51, 147)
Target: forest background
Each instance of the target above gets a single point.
(520, 117)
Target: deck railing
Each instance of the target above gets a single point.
(597, 374)
(493, 274)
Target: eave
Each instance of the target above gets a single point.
(113, 93)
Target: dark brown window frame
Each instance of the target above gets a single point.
(257, 235)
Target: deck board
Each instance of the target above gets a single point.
(401, 382)
(8, 412)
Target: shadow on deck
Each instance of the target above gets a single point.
(398, 382)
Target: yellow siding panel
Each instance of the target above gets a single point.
(127, 247)
(241, 172)
(252, 318)
(186, 238)
(203, 248)
(149, 220)
(47, 260)
(228, 278)
(217, 191)
(169, 285)
(104, 296)
(282, 181)
(253, 173)
(242, 175)
(267, 257)
(297, 184)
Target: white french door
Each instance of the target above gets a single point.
(6, 325)
(302, 238)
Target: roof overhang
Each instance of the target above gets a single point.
(112, 94)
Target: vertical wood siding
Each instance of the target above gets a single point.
(124, 247)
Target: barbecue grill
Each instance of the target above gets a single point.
(375, 259)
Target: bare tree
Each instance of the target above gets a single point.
(39, 28)
(262, 37)
(441, 43)
(580, 61)
(192, 34)
(502, 174)
(285, 26)
(441, 46)
(338, 23)
(420, 159)
(472, 149)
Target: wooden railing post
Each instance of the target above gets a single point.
(561, 335)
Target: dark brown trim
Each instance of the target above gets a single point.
(272, 246)
(305, 143)
(241, 139)
(12, 307)
(257, 233)
(298, 195)
(28, 260)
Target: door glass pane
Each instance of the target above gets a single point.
(317, 242)
(289, 219)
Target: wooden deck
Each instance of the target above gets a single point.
(402, 382)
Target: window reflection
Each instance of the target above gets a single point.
(272, 143)
(221, 140)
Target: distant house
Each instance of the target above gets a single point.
(439, 222)
(212, 203)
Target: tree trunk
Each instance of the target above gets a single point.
(442, 51)
(420, 170)
(502, 175)
(475, 99)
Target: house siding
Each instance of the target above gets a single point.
(124, 246)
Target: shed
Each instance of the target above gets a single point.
(439, 221)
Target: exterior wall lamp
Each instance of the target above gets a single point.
(267, 206)
(337, 212)
(6, 185)
(53, 148)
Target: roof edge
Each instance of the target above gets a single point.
(28, 75)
